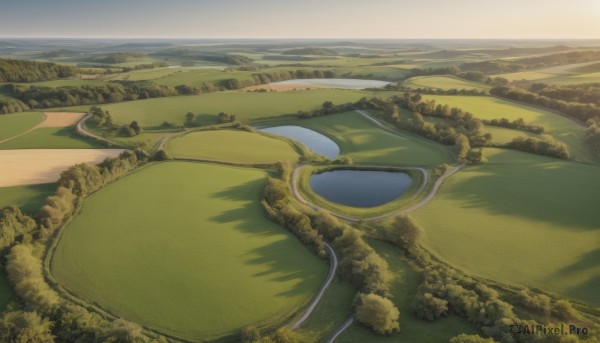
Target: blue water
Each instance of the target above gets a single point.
(360, 188)
(315, 141)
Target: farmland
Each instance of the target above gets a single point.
(227, 266)
(516, 215)
(211, 229)
(231, 146)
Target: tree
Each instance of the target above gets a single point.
(462, 147)
(404, 232)
(135, 127)
(378, 313)
(223, 117)
(464, 338)
(429, 307)
(190, 118)
(122, 331)
(250, 334)
(563, 310)
(29, 327)
(285, 335)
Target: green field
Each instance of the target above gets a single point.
(6, 290)
(231, 146)
(502, 135)
(559, 127)
(525, 219)
(562, 74)
(360, 138)
(16, 123)
(185, 248)
(405, 281)
(444, 82)
(246, 105)
(28, 198)
(51, 138)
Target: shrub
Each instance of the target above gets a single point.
(378, 313)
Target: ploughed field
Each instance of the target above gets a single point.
(185, 248)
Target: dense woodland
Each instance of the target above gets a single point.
(32, 71)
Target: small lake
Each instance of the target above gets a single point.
(335, 83)
(316, 142)
(360, 188)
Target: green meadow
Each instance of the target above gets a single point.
(444, 82)
(16, 123)
(231, 146)
(526, 219)
(365, 142)
(51, 138)
(191, 252)
(29, 198)
(245, 105)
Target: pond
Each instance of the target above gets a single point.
(360, 188)
(316, 142)
(334, 83)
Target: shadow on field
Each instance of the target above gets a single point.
(205, 119)
(584, 266)
(276, 257)
(553, 191)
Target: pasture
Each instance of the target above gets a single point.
(35, 166)
(231, 146)
(527, 219)
(444, 82)
(366, 143)
(559, 127)
(191, 252)
(562, 74)
(28, 198)
(16, 123)
(51, 138)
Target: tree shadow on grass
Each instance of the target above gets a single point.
(558, 192)
(276, 257)
(586, 264)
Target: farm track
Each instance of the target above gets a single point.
(338, 331)
(80, 129)
(27, 131)
(333, 263)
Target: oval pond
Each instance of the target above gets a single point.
(360, 188)
(315, 141)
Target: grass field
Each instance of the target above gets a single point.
(361, 139)
(51, 138)
(444, 82)
(526, 219)
(247, 106)
(231, 146)
(405, 281)
(561, 128)
(28, 198)
(191, 252)
(16, 123)
(562, 74)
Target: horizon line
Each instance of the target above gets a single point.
(299, 38)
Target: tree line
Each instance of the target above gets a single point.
(587, 113)
(359, 263)
(27, 97)
(33, 71)
(585, 93)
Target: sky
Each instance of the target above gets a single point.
(520, 19)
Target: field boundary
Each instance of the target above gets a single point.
(26, 131)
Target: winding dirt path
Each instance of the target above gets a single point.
(338, 331)
(333, 263)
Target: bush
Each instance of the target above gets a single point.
(378, 313)
(403, 232)
(26, 327)
(464, 338)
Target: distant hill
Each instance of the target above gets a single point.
(310, 51)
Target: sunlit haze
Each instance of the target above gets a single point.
(301, 19)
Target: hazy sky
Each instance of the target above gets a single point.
(301, 18)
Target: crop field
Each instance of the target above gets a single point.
(28, 198)
(360, 139)
(17, 123)
(246, 106)
(564, 74)
(559, 127)
(444, 82)
(232, 146)
(405, 281)
(212, 263)
(35, 166)
(51, 138)
(514, 211)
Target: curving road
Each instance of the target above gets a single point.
(80, 129)
(338, 331)
(333, 263)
